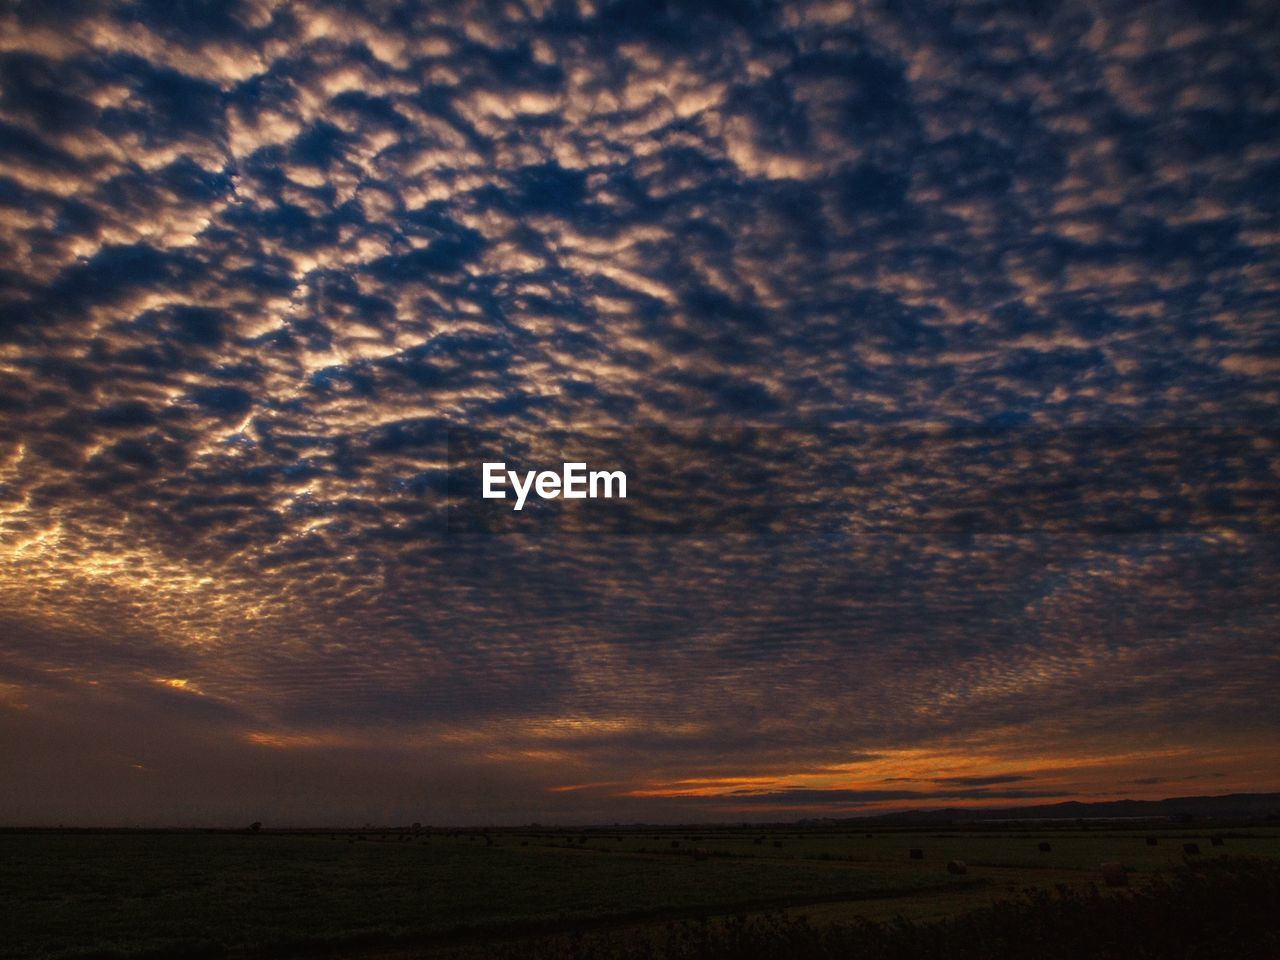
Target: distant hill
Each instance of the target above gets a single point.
(1231, 806)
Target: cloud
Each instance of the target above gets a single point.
(943, 346)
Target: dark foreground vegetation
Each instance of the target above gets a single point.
(1225, 908)
(1077, 889)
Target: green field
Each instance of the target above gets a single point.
(188, 893)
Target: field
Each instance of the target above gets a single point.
(428, 893)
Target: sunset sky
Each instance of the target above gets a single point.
(941, 342)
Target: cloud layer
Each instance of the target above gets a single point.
(952, 329)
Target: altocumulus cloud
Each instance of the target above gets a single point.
(996, 284)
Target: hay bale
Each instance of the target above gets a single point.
(700, 854)
(777, 844)
(1045, 846)
(917, 853)
(1152, 841)
(675, 844)
(1114, 874)
(1191, 849)
(958, 867)
(1217, 841)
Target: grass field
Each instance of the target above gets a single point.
(66, 894)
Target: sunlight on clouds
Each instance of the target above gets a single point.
(996, 290)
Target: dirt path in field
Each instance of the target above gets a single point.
(982, 886)
(431, 945)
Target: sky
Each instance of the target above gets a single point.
(939, 342)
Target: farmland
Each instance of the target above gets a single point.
(400, 892)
